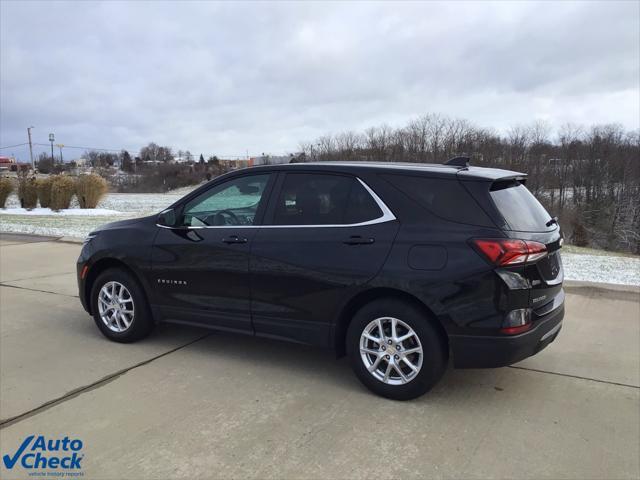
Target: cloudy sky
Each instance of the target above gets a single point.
(227, 78)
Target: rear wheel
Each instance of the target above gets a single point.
(394, 349)
(120, 307)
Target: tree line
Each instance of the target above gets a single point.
(152, 169)
(588, 176)
(149, 154)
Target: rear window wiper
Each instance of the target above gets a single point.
(552, 221)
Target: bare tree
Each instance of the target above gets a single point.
(591, 177)
(155, 153)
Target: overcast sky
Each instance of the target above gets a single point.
(224, 78)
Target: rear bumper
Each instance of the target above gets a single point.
(471, 351)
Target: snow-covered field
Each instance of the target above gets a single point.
(120, 202)
(93, 212)
(589, 265)
(76, 222)
(579, 263)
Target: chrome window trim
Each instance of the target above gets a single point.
(387, 216)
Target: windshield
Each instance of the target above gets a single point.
(520, 208)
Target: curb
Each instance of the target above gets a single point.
(70, 240)
(611, 290)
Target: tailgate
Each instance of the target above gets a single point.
(520, 215)
(546, 275)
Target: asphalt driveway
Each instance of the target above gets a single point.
(191, 403)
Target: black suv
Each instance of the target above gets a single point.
(400, 266)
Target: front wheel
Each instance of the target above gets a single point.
(394, 349)
(119, 306)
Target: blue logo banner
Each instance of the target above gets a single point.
(37, 452)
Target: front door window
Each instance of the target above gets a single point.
(231, 203)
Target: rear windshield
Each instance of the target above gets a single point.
(519, 207)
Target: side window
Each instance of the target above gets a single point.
(317, 199)
(234, 202)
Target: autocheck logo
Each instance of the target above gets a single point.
(39, 453)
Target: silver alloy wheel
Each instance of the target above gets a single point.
(115, 305)
(391, 351)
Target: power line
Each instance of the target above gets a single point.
(138, 151)
(135, 152)
(12, 146)
(91, 148)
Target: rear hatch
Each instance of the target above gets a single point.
(521, 216)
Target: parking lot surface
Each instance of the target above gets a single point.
(191, 403)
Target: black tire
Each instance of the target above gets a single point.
(434, 359)
(142, 322)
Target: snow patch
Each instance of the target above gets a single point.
(89, 212)
(601, 268)
(138, 203)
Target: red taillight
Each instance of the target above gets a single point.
(84, 271)
(516, 330)
(536, 251)
(510, 252)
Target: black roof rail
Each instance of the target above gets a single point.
(461, 161)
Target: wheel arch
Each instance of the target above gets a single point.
(362, 298)
(102, 265)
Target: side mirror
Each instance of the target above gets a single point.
(167, 218)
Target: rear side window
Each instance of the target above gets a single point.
(448, 199)
(520, 209)
(317, 199)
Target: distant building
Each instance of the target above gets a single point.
(183, 157)
(270, 160)
(8, 164)
(235, 164)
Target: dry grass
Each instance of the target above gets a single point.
(6, 187)
(62, 190)
(27, 192)
(43, 186)
(90, 189)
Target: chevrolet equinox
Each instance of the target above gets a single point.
(402, 267)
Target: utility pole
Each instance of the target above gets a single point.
(60, 145)
(52, 139)
(33, 167)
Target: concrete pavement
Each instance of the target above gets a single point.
(190, 403)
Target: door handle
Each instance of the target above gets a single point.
(234, 239)
(358, 240)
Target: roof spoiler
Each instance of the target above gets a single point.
(461, 161)
(509, 181)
